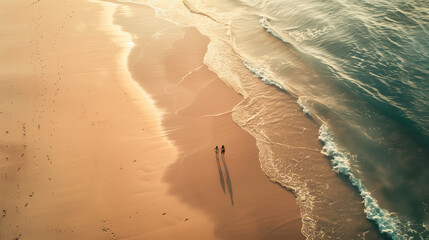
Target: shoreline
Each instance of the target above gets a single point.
(290, 150)
(109, 118)
(187, 98)
(89, 157)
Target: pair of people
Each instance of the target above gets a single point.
(222, 149)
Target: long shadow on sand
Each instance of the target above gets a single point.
(222, 181)
(228, 179)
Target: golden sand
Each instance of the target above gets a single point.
(87, 153)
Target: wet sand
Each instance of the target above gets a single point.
(87, 153)
(230, 188)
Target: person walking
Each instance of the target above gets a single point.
(216, 149)
(223, 149)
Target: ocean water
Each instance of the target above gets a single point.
(360, 71)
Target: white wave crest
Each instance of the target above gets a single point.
(303, 107)
(264, 75)
(340, 163)
(265, 22)
(295, 35)
(308, 33)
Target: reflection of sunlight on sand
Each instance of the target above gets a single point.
(170, 32)
(124, 40)
(157, 152)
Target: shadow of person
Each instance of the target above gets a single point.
(228, 179)
(222, 181)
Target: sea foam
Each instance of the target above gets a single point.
(264, 75)
(303, 107)
(265, 22)
(387, 223)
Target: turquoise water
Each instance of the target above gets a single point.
(360, 70)
(368, 83)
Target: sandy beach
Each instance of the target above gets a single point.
(108, 123)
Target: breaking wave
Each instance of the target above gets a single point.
(341, 165)
(303, 107)
(266, 25)
(264, 75)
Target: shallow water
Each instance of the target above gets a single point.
(359, 70)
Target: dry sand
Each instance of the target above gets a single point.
(85, 152)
